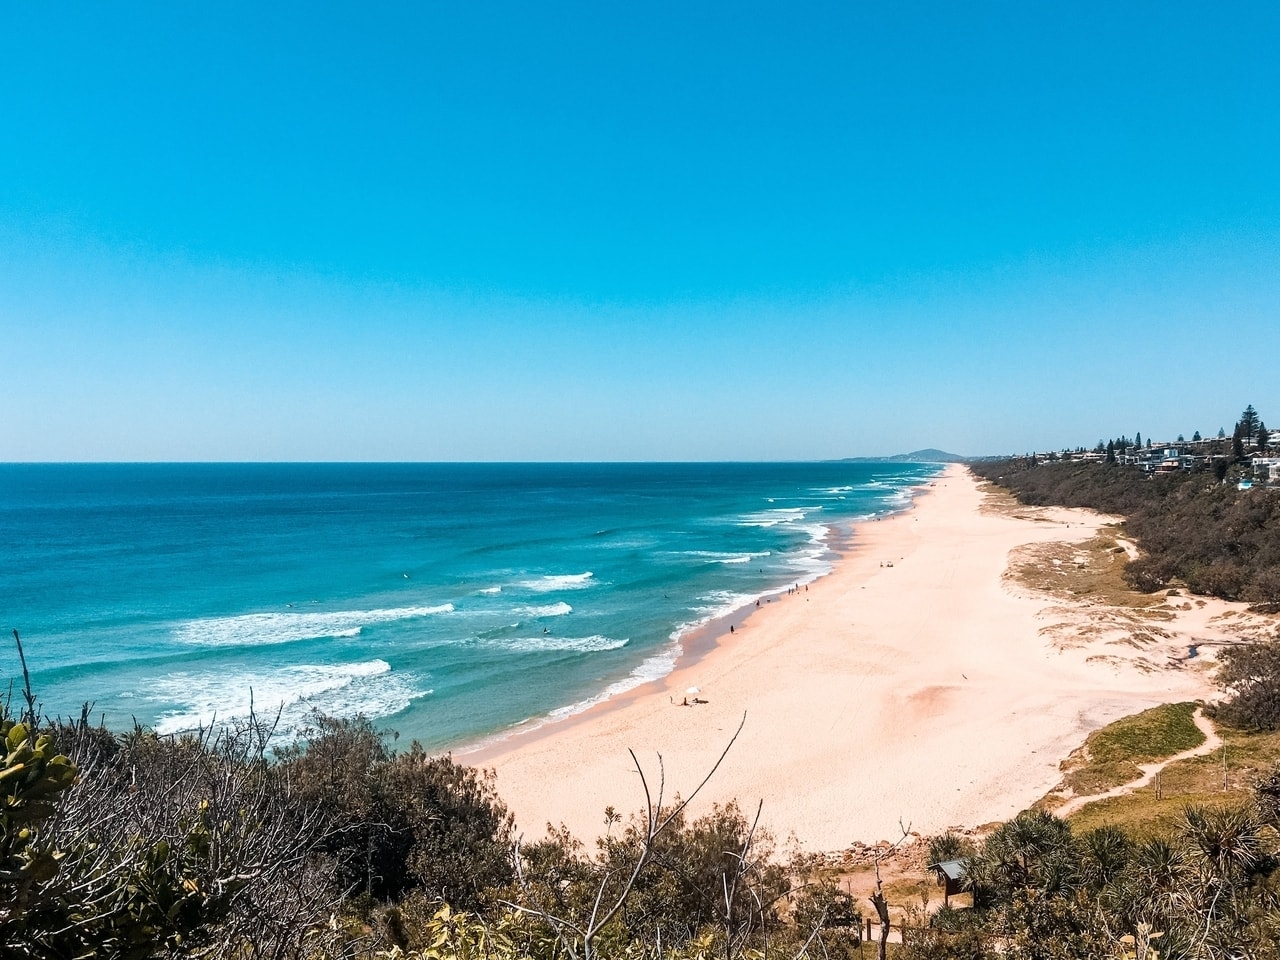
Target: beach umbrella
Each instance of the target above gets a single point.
(693, 690)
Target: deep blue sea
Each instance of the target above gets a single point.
(450, 602)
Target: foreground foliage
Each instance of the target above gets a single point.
(136, 846)
(401, 823)
(1041, 892)
(139, 846)
(206, 845)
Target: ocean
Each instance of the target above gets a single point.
(449, 602)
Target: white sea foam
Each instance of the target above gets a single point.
(776, 516)
(652, 668)
(813, 567)
(205, 697)
(717, 556)
(269, 628)
(818, 532)
(548, 610)
(712, 606)
(812, 563)
(718, 603)
(564, 581)
(592, 644)
(490, 590)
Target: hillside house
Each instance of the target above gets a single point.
(1267, 469)
(1160, 460)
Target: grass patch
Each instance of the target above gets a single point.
(1141, 815)
(1000, 501)
(1092, 570)
(1100, 777)
(1154, 734)
(1207, 781)
(1110, 756)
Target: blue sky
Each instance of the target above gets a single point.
(735, 231)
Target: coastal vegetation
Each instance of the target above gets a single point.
(1250, 674)
(1151, 735)
(133, 845)
(212, 844)
(1197, 528)
(234, 863)
(1225, 775)
(1202, 526)
(1094, 569)
(1111, 756)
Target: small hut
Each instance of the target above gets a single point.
(950, 874)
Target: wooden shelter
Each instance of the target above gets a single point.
(950, 874)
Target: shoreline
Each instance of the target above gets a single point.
(911, 684)
(693, 646)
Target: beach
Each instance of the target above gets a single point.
(916, 687)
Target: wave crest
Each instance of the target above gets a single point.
(551, 582)
(271, 628)
(592, 644)
(549, 610)
(206, 697)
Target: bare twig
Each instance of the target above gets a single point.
(656, 822)
(30, 717)
(878, 898)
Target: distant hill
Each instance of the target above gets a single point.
(930, 455)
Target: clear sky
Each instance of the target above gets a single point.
(457, 231)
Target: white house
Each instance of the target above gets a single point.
(1267, 468)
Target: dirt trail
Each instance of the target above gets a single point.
(1211, 743)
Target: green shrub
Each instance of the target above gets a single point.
(402, 822)
(1250, 675)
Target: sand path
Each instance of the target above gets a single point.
(922, 692)
(1149, 770)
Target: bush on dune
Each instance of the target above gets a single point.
(402, 822)
(158, 845)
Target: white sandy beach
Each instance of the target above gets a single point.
(929, 692)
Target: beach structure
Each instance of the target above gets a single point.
(950, 874)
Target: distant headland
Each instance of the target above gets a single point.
(929, 455)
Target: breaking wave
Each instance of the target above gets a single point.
(270, 628)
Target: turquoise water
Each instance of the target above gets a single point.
(447, 601)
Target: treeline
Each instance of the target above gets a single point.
(1249, 434)
(1194, 530)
